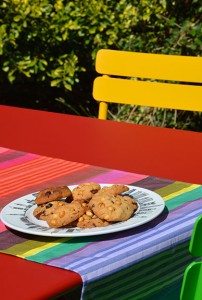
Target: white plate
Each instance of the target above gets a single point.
(18, 215)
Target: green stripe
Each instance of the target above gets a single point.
(169, 292)
(154, 261)
(161, 281)
(114, 284)
(185, 197)
(135, 276)
(172, 188)
(63, 249)
(23, 247)
(72, 245)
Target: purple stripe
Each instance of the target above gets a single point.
(114, 240)
(8, 239)
(17, 160)
(102, 267)
(136, 249)
(116, 176)
(153, 183)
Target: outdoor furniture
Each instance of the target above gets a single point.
(164, 160)
(152, 150)
(192, 281)
(156, 80)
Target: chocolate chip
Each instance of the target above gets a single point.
(69, 199)
(39, 215)
(94, 191)
(49, 205)
(48, 193)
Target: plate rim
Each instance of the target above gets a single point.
(79, 232)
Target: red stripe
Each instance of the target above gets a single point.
(24, 165)
(34, 180)
(25, 168)
(48, 172)
(37, 169)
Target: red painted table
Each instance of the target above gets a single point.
(166, 153)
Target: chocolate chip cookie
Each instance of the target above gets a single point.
(113, 208)
(52, 194)
(90, 220)
(113, 190)
(65, 215)
(43, 210)
(85, 191)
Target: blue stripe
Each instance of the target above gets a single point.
(132, 241)
(135, 280)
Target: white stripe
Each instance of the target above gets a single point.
(145, 237)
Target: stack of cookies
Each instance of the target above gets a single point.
(86, 206)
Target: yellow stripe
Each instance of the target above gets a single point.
(184, 190)
(44, 247)
(23, 249)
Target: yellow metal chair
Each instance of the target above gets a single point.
(156, 80)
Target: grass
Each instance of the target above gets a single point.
(156, 117)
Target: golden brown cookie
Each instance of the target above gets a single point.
(113, 208)
(90, 220)
(113, 190)
(65, 214)
(43, 210)
(52, 194)
(85, 191)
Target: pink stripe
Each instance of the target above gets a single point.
(18, 160)
(3, 150)
(2, 227)
(116, 176)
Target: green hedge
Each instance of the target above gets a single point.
(53, 43)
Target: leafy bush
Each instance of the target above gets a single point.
(52, 44)
(55, 40)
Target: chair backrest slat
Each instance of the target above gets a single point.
(146, 65)
(155, 80)
(154, 94)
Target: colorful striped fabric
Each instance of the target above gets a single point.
(146, 262)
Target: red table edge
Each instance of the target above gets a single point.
(177, 150)
(25, 283)
(109, 144)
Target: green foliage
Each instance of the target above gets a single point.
(176, 30)
(32, 43)
(54, 42)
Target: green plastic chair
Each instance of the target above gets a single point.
(192, 280)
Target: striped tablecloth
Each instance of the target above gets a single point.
(146, 262)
